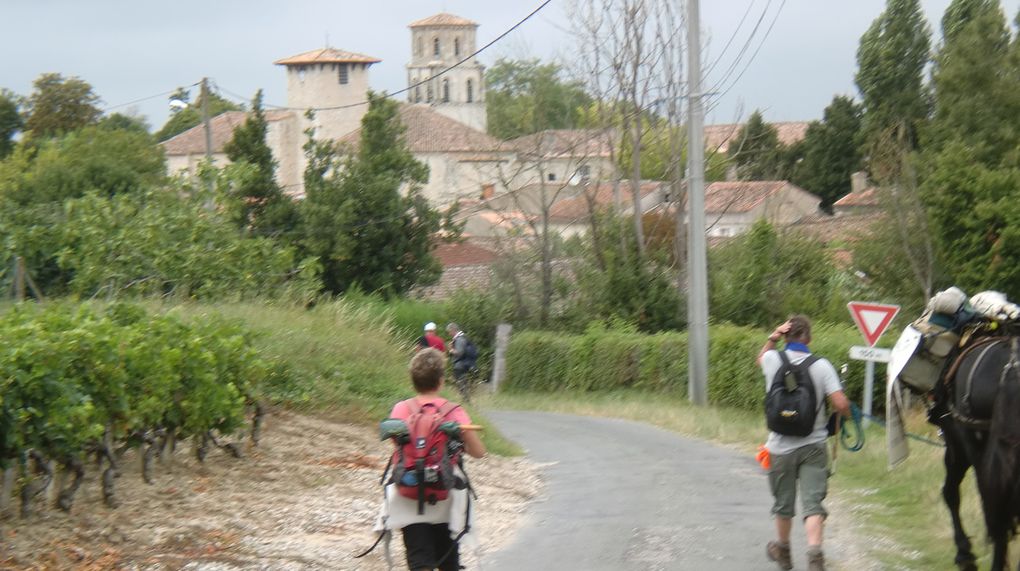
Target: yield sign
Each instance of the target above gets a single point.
(872, 318)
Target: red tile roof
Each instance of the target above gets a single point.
(562, 143)
(442, 19)
(866, 197)
(327, 55)
(432, 132)
(740, 196)
(578, 207)
(463, 254)
(720, 137)
(192, 141)
(844, 228)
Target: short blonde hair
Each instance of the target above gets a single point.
(427, 369)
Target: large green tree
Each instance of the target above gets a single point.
(10, 121)
(59, 105)
(527, 96)
(190, 115)
(756, 152)
(259, 202)
(891, 61)
(365, 217)
(830, 151)
(976, 83)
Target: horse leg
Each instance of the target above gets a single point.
(956, 468)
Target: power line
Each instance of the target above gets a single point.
(768, 32)
(163, 94)
(422, 82)
(733, 36)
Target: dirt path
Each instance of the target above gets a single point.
(305, 499)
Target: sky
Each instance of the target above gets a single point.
(131, 50)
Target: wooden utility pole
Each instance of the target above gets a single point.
(697, 265)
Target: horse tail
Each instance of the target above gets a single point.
(1002, 457)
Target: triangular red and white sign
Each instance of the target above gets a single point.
(872, 318)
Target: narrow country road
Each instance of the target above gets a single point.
(622, 495)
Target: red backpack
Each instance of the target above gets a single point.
(424, 459)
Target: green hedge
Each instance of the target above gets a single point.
(608, 360)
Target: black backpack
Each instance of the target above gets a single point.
(791, 405)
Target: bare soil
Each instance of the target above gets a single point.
(305, 499)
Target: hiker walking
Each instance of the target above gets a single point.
(797, 384)
(427, 495)
(430, 339)
(464, 355)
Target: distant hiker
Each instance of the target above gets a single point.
(435, 518)
(796, 383)
(433, 340)
(464, 355)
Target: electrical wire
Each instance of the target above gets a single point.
(163, 94)
(732, 84)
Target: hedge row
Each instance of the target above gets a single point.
(608, 360)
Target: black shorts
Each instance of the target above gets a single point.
(427, 543)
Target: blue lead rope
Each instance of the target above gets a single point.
(851, 434)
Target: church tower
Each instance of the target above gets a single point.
(437, 43)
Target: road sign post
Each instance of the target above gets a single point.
(872, 319)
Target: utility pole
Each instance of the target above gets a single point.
(697, 265)
(207, 122)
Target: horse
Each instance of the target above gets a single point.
(978, 409)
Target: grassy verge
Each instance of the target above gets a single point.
(903, 521)
(337, 359)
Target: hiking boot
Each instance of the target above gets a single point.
(780, 554)
(815, 560)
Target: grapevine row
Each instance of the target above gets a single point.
(79, 381)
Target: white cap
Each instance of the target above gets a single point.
(430, 326)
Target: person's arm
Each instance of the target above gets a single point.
(473, 444)
(770, 343)
(840, 403)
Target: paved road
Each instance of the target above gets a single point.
(627, 496)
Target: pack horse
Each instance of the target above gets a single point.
(967, 360)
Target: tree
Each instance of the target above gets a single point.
(60, 105)
(757, 152)
(10, 121)
(527, 96)
(830, 151)
(119, 121)
(183, 119)
(259, 202)
(890, 73)
(976, 82)
(365, 217)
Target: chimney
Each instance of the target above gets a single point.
(488, 191)
(858, 182)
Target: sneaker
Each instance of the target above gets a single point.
(780, 554)
(815, 560)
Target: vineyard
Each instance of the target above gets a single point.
(82, 384)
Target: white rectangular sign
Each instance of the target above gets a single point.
(862, 353)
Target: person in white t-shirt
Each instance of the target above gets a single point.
(800, 459)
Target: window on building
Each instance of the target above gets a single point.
(343, 74)
(435, 46)
(446, 91)
(456, 46)
(470, 91)
(551, 177)
(428, 92)
(419, 48)
(417, 94)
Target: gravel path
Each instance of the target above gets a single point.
(622, 495)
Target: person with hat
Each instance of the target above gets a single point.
(432, 340)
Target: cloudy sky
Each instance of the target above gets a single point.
(130, 50)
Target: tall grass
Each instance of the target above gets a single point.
(904, 523)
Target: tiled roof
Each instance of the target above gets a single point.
(327, 55)
(740, 196)
(866, 197)
(720, 137)
(432, 132)
(463, 254)
(577, 207)
(843, 228)
(442, 19)
(192, 141)
(557, 143)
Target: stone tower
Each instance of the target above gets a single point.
(332, 82)
(438, 42)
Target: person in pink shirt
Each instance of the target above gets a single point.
(428, 538)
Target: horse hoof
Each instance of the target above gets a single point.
(967, 565)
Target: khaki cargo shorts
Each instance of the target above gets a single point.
(807, 465)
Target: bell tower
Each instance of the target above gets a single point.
(438, 42)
